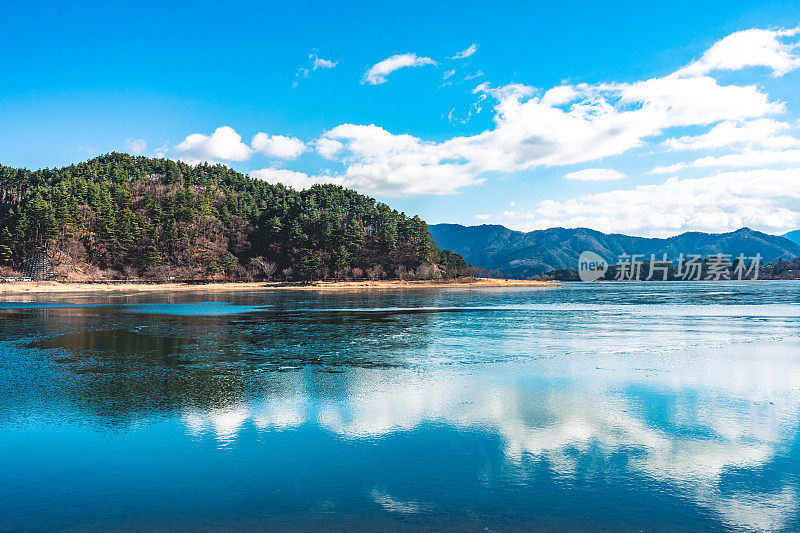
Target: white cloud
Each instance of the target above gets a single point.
(322, 63)
(678, 101)
(473, 76)
(518, 215)
(746, 159)
(749, 48)
(568, 125)
(595, 174)
(378, 72)
(669, 169)
(380, 162)
(316, 63)
(559, 95)
(471, 49)
(750, 158)
(328, 148)
(278, 146)
(161, 151)
(136, 146)
(484, 216)
(761, 132)
(448, 73)
(764, 199)
(291, 178)
(577, 124)
(223, 145)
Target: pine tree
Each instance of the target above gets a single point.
(6, 243)
(134, 211)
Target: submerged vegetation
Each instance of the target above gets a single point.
(122, 216)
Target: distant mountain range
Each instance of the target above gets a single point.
(515, 253)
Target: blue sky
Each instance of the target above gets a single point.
(635, 118)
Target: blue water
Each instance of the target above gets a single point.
(618, 407)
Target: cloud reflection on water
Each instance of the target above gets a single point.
(719, 417)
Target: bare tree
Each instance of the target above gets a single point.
(376, 272)
(260, 267)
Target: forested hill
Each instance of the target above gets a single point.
(124, 216)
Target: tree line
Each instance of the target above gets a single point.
(123, 216)
(783, 269)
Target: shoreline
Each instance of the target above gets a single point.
(57, 287)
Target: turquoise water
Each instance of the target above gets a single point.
(622, 407)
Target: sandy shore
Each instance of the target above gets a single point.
(58, 287)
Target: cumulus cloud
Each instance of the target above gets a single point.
(483, 216)
(136, 146)
(226, 145)
(378, 72)
(595, 174)
(568, 125)
(773, 49)
(278, 146)
(328, 148)
(559, 96)
(222, 145)
(380, 162)
(578, 124)
(767, 199)
(471, 49)
(290, 178)
(761, 132)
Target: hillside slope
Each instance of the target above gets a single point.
(793, 236)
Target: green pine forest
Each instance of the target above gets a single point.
(129, 217)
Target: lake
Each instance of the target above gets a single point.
(611, 406)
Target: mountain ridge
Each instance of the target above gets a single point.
(517, 253)
(793, 236)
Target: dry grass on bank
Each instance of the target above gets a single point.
(45, 287)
